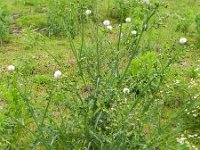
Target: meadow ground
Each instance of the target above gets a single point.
(100, 101)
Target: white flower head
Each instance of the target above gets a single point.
(133, 32)
(182, 40)
(109, 27)
(106, 22)
(128, 20)
(177, 81)
(88, 12)
(126, 90)
(146, 1)
(57, 74)
(11, 68)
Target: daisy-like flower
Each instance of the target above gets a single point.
(182, 40)
(109, 27)
(133, 32)
(57, 74)
(128, 20)
(126, 90)
(106, 22)
(88, 12)
(11, 68)
(146, 1)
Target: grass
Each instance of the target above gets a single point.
(86, 108)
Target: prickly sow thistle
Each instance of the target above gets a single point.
(128, 20)
(57, 74)
(11, 68)
(182, 40)
(126, 91)
(88, 12)
(106, 22)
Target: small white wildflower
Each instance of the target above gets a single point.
(11, 68)
(57, 74)
(126, 90)
(195, 115)
(128, 20)
(146, 1)
(133, 32)
(194, 110)
(109, 27)
(187, 144)
(177, 81)
(181, 140)
(190, 136)
(106, 22)
(196, 148)
(182, 40)
(88, 12)
(197, 69)
(195, 97)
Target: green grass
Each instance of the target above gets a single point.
(77, 111)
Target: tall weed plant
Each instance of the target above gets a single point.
(113, 100)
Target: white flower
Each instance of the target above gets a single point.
(57, 74)
(195, 115)
(146, 1)
(177, 81)
(109, 27)
(11, 68)
(106, 22)
(181, 140)
(126, 90)
(128, 20)
(133, 32)
(182, 40)
(88, 12)
(197, 69)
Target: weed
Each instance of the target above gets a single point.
(4, 24)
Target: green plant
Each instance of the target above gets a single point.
(4, 24)
(62, 17)
(119, 93)
(198, 25)
(184, 24)
(30, 38)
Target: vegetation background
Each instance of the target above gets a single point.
(116, 91)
